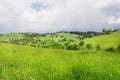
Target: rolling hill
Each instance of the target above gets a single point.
(60, 39)
(105, 41)
(22, 62)
(29, 63)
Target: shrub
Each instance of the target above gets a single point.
(104, 31)
(71, 40)
(76, 47)
(108, 31)
(91, 35)
(73, 47)
(32, 45)
(62, 40)
(111, 49)
(97, 47)
(52, 36)
(43, 35)
(38, 44)
(70, 47)
(89, 46)
(56, 45)
(118, 48)
(4, 41)
(56, 36)
(81, 37)
(81, 43)
(62, 36)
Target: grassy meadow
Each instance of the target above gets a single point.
(22, 62)
(106, 40)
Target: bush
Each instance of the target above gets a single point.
(97, 47)
(73, 47)
(32, 45)
(109, 31)
(111, 49)
(70, 47)
(76, 47)
(62, 40)
(81, 43)
(118, 48)
(38, 44)
(91, 35)
(62, 36)
(89, 46)
(81, 37)
(56, 45)
(104, 31)
(71, 40)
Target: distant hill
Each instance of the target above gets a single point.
(112, 39)
(62, 40)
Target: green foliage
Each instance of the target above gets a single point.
(43, 35)
(104, 31)
(111, 49)
(71, 40)
(76, 47)
(91, 35)
(62, 40)
(97, 47)
(57, 45)
(89, 46)
(46, 41)
(32, 45)
(108, 31)
(70, 47)
(62, 36)
(118, 48)
(81, 37)
(73, 47)
(81, 43)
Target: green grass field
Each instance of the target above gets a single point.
(19, 62)
(106, 40)
(28, 63)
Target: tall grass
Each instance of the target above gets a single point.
(28, 63)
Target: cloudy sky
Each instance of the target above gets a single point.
(57, 15)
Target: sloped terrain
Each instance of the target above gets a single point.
(105, 41)
(29, 63)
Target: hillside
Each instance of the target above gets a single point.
(29, 63)
(62, 40)
(49, 40)
(28, 56)
(105, 41)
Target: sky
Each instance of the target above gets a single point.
(45, 16)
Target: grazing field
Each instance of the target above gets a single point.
(28, 56)
(106, 40)
(28, 63)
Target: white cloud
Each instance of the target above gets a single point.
(60, 15)
(113, 20)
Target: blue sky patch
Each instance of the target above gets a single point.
(38, 6)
